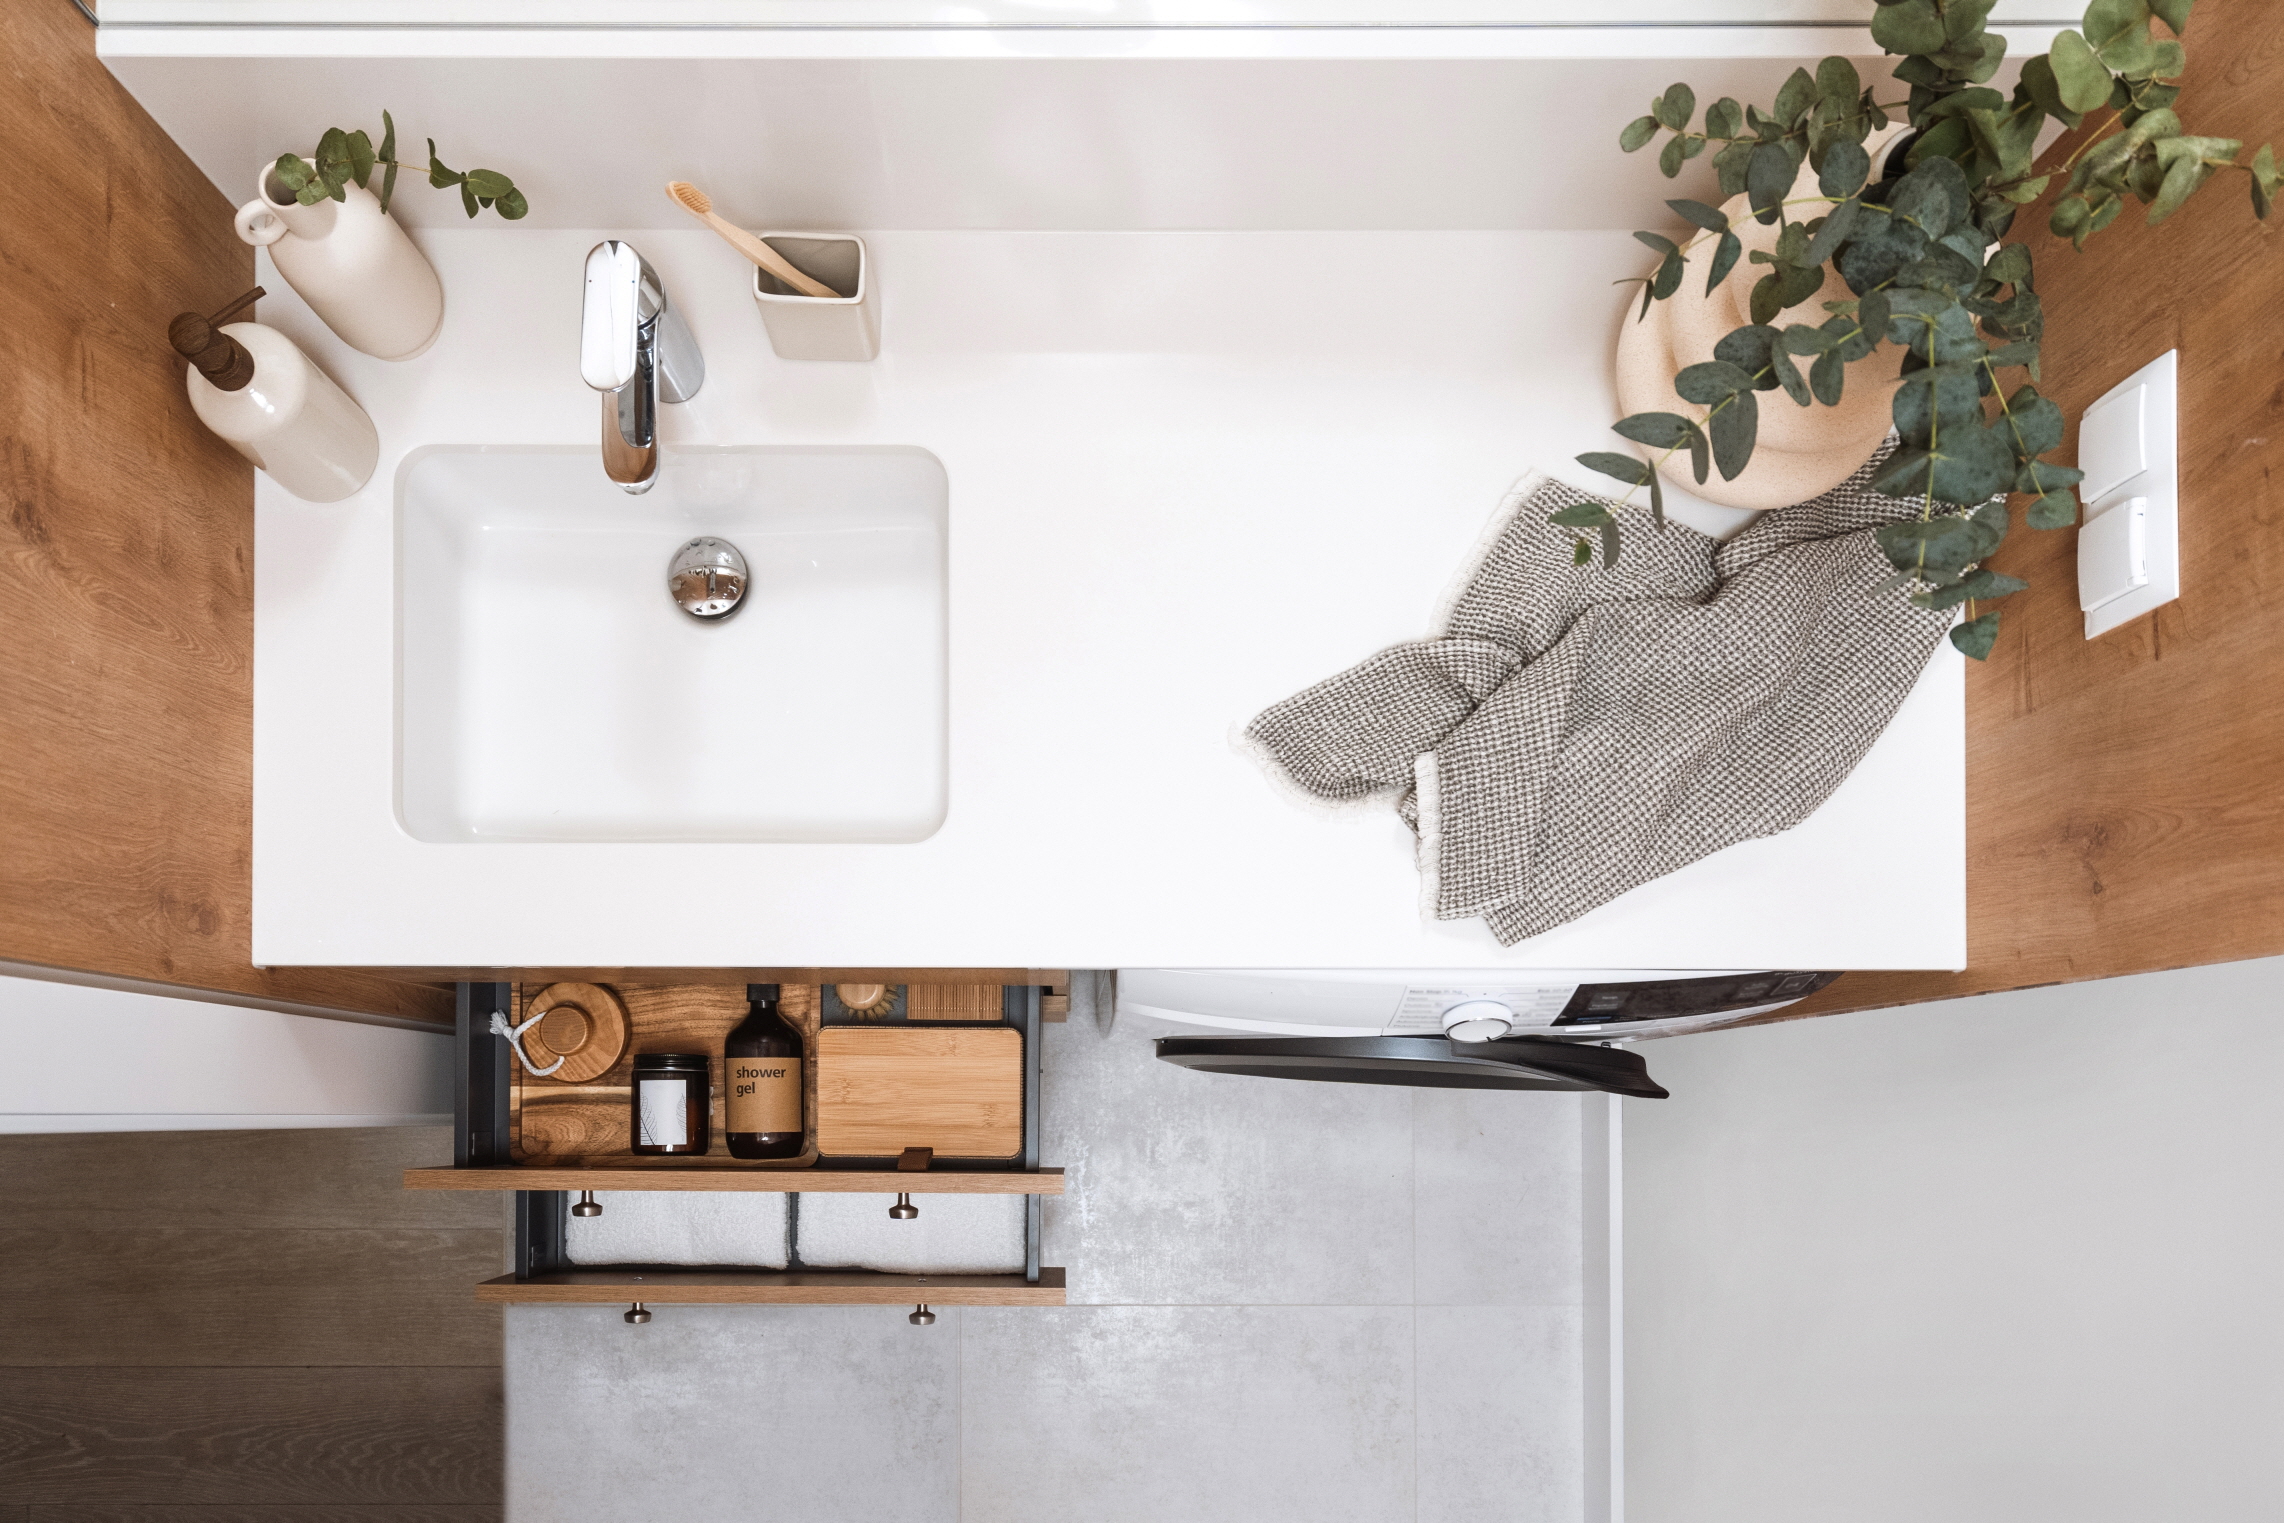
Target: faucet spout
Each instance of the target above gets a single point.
(635, 349)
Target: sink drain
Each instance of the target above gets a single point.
(708, 578)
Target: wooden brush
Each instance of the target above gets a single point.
(700, 205)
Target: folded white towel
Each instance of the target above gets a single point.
(953, 1234)
(681, 1227)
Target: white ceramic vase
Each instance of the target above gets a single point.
(352, 263)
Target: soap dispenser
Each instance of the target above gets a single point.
(255, 388)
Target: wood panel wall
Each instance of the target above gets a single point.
(2125, 795)
(126, 553)
(203, 1327)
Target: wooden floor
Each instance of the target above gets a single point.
(223, 1327)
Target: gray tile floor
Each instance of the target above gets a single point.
(1288, 1301)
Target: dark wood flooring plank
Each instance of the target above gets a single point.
(242, 1437)
(315, 1513)
(175, 1297)
(319, 1177)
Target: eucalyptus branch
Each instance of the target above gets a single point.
(345, 156)
(1923, 249)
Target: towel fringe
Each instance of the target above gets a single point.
(1290, 788)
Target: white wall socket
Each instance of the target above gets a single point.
(2129, 543)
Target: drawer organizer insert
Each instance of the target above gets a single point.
(933, 1093)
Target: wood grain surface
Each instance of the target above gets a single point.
(2123, 807)
(126, 555)
(240, 1321)
(882, 1089)
(801, 1287)
(292, 1512)
(223, 1437)
(203, 1296)
(319, 1179)
(729, 1174)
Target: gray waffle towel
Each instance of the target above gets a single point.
(1572, 734)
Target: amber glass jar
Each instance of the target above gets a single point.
(672, 1099)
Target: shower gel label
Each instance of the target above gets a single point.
(665, 1113)
(765, 1094)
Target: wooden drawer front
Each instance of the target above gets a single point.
(677, 1174)
(882, 1089)
(761, 1287)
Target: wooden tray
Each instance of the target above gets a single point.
(882, 1089)
(564, 1123)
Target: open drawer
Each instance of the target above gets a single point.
(550, 1147)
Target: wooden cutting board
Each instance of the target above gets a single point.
(882, 1089)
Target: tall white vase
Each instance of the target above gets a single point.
(353, 265)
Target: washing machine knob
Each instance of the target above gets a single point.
(1478, 1020)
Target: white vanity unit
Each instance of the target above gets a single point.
(1208, 348)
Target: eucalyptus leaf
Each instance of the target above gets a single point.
(1724, 260)
(360, 157)
(388, 138)
(1710, 382)
(513, 206)
(1637, 132)
(1830, 231)
(388, 185)
(1748, 349)
(1768, 178)
(1733, 425)
(1828, 377)
(1788, 376)
(1837, 80)
(1674, 108)
(1698, 214)
(1581, 515)
(2036, 422)
(1610, 545)
(1975, 637)
(1670, 156)
(1845, 167)
(2118, 32)
(489, 183)
(1724, 118)
(2081, 79)
(2054, 510)
(1909, 26)
(2174, 13)
(1625, 467)
(1796, 95)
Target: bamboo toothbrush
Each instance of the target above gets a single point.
(700, 205)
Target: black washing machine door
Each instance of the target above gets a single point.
(1422, 1062)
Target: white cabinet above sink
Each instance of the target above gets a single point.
(551, 689)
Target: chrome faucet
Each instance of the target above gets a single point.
(635, 349)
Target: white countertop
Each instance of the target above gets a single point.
(1190, 474)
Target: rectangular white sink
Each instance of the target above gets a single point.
(549, 689)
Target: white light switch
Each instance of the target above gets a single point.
(2113, 554)
(2113, 442)
(2129, 542)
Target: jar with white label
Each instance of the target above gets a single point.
(672, 1099)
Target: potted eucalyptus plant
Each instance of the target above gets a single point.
(1922, 249)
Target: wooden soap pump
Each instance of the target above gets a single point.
(219, 357)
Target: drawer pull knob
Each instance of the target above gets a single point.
(921, 1316)
(587, 1205)
(904, 1211)
(637, 1314)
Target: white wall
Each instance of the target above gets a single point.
(103, 1060)
(2013, 1257)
